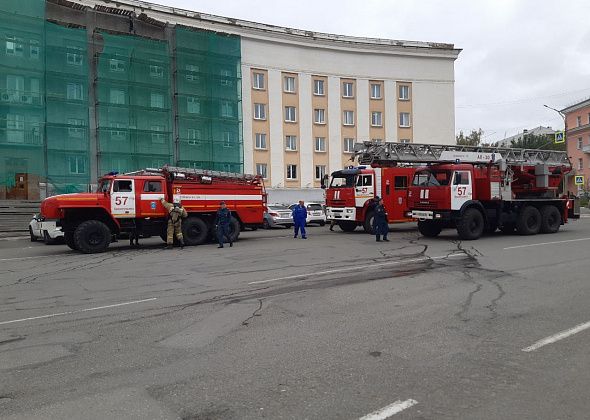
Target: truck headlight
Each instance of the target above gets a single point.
(348, 210)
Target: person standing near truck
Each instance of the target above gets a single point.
(222, 223)
(380, 225)
(175, 215)
(299, 215)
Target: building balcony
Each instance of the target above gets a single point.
(586, 149)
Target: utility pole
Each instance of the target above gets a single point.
(562, 115)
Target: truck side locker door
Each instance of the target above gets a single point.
(400, 197)
(123, 198)
(150, 194)
(461, 189)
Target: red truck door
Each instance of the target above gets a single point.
(400, 197)
(149, 198)
(123, 198)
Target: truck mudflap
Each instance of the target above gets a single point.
(573, 208)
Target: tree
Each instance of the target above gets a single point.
(533, 141)
(472, 139)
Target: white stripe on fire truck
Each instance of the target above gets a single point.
(218, 197)
(152, 196)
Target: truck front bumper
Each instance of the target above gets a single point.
(429, 215)
(341, 213)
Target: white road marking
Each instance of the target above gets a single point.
(390, 410)
(78, 311)
(556, 337)
(548, 243)
(349, 268)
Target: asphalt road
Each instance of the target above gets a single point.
(333, 327)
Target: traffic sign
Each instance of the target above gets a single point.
(579, 179)
(559, 137)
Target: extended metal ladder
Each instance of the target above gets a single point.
(369, 153)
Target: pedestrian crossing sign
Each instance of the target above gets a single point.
(559, 137)
(579, 180)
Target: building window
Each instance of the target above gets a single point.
(116, 65)
(376, 119)
(289, 84)
(193, 106)
(579, 120)
(318, 87)
(404, 93)
(156, 71)
(319, 116)
(404, 119)
(15, 87)
(348, 118)
(580, 164)
(258, 81)
(404, 141)
(320, 144)
(261, 170)
(157, 100)
(157, 134)
(14, 46)
(74, 92)
(226, 77)
(77, 165)
(227, 139)
(192, 72)
(227, 110)
(74, 56)
(348, 145)
(579, 143)
(290, 143)
(15, 125)
(347, 90)
(375, 91)
(290, 114)
(260, 142)
(192, 135)
(117, 134)
(117, 96)
(34, 49)
(320, 171)
(259, 111)
(291, 171)
(75, 128)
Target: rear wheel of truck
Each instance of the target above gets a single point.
(529, 221)
(550, 219)
(347, 226)
(234, 229)
(194, 231)
(92, 236)
(471, 225)
(368, 223)
(429, 228)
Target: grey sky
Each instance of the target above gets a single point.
(517, 54)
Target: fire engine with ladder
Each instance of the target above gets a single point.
(129, 204)
(479, 189)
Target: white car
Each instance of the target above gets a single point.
(45, 231)
(315, 213)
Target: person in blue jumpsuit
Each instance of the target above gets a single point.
(222, 222)
(299, 215)
(380, 225)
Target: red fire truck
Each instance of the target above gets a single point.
(479, 189)
(351, 192)
(129, 204)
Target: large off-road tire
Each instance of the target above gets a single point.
(529, 221)
(194, 231)
(368, 223)
(69, 240)
(550, 219)
(33, 237)
(322, 223)
(234, 229)
(429, 228)
(347, 226)
(92, 236)
(471, 225)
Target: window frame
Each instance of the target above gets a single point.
(291, 167)
(291, 139)
(119, 65)
(319, 140)
(321, 82)
(158, 134)
(378, 85)
(321, 174)
(317, 112)
(286, 85)
(74, 56)
(156, 74)
(403, 88)
(159, 102)
(79, 89)
(344, 90)
(262, 107)
(77, 160)
(260, 141)
(262, 166)
(344, 119)
(409, 124)
(193, 102)
(346, 141)
(288, 115)
(255, 81)
(373, 123)
(580, 143)
(580, 164)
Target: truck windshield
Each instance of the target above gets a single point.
(341, 181)
(104, 185)
(429, 178)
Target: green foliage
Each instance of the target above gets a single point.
(472, 139)
(531, 141)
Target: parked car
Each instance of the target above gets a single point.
(277, 215)
(45, 231)
(315, 213)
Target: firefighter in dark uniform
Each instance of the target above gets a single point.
(223, 222)
(380, 225)
(175, 215)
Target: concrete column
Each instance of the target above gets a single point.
(391, 118)
(170, 36)
(277, 141)
(306, 140)
(93, 49)
(335, 121)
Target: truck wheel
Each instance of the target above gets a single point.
(368, 223)
(550, 219)
(265, 224)
(471, 225)
(234, 229)
(69, 240)
(92, 236)
(529, 221)
(194, 231)
(429, 228)
(347, 226)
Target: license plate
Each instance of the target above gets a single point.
(48, 226)
(421, 214)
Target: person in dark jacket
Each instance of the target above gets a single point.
(299, 215)
(380, 225)
(222, 222)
